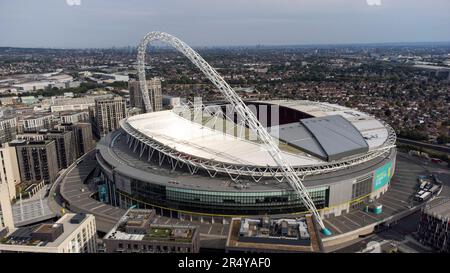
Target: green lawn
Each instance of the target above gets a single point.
(159, 232)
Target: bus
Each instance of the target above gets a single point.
(422, 185)
(428, 186)
(423, 197)
(434, 189)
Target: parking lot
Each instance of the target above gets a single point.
(398, 198)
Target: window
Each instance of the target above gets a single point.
(361, 187)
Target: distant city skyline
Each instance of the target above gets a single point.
(106, 24)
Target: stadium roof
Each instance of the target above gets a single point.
(337, 136)
(189, 137)
(333, 133)
(373, 131)
(319, 136)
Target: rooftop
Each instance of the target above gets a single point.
(281, 229)
(350, 132)
(136, 225)
(192, 138)
(280, 235)
(318, 137)
(19, 142)
(60, 231)
(439, 209)
(169, 233)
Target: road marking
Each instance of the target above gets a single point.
(99, 206)
(344, 225)
(402, 205)
(89, 204)
(352, 221)
(394, 183)
(72, 190)
(389, 207)
(399, 191)
(401, 187)
(108, 210)
(357, 216)
(370, 216)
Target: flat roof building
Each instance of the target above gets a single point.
(108, 113)
(82, 136)
(72, 233)
(35, 122)
(9, 169)
(37, 160)
(154, 91)
(74, 116)
(65, 147)
(8, 128)
(434, 225)
(135, 233)
(6, 215)
(273, 235)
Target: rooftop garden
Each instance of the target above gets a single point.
(164, 234)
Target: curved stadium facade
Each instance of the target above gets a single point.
(189, 169)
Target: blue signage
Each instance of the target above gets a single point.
(103, 193)
(382, 176)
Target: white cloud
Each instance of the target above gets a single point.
(73, 2)
(373, 2)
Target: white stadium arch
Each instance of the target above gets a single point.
(245, 113)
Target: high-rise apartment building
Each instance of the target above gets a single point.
(37, 160)
(9, 169)
(66, 152)
(434, 225)
(65, 147)
(36, 122)
(82, 136)
(108, 113)
(154, 91)
(135, 94)
(8, 129)
(74, 116)
(6, 215)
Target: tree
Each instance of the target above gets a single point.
(387, 112)
(443, 139)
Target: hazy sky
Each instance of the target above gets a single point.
(107, 23)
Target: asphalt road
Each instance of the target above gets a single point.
(440, 148)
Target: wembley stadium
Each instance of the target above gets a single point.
(178, 166)
(326, 159)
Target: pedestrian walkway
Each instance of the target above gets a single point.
(31, 211)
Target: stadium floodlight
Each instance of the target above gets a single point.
(244, 112)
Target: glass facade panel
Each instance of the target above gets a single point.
(237, 202)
